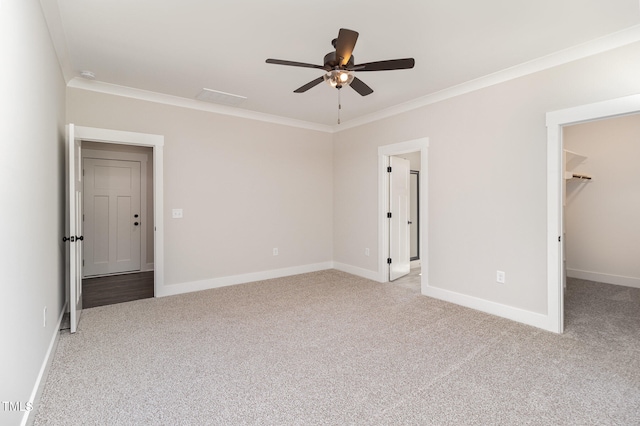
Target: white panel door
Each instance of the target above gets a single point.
(74, 236)
(399, 225)
(112, 218)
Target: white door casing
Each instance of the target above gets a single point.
(156, 142)
(399, 227)
(74, 222)
(555, 193)
(112, 216)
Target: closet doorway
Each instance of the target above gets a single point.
(602, 200)
(556, 121)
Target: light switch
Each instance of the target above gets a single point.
(177, 213)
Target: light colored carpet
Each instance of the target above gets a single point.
(332, 348)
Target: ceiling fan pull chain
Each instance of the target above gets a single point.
(339, 106)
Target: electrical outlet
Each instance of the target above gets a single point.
(275, 251)
(176, 213)
(366, 252)
(500, 277)
(44, 317)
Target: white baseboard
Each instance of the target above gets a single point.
(354, 270)
(173, 289)
(38, 387)
(604, 278)
(515, 314)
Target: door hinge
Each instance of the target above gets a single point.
(389, 260)
(559, 238)
(389, 169)
(389, 215)
(83, 263)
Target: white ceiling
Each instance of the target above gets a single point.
(178, 47)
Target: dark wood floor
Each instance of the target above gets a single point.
(116, 289)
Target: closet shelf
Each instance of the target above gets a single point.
(571, 161)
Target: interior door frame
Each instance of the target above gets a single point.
(118, 137)
(556, 120)
(384, 152)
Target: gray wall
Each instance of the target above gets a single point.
(32, 104)
(602, 216)
(487, 178)
(245, 186)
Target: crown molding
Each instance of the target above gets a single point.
(51, 15)
(145, 95)
(602, 44)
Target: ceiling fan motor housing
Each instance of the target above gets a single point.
(332, 62)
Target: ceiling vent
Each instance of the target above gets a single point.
(216, 97)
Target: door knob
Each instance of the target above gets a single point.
(136, 223)
(409, 222)
(135, 215)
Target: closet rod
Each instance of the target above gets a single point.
(577, 176)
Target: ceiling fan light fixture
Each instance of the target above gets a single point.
(338, 78)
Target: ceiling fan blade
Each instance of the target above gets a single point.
(359, 86)
(345, 43)
(309, 85)
(294, 64)
(392, 64)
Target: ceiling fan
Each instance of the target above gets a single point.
(340, 65)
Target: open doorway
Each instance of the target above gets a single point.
(602, 208)
(117, 223)
(76, 135)
(556, 121)
(404, 207)
(417, 269)
(602, 222)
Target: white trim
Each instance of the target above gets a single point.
(354, 270)
(148, 267)
(555, 182)
(38, 387)
(93, 134)
(211, 283)
(604, 278)
(146, 95)
(493, 308)
(120, 137)
(593, 47)
(421, 145)
(144, 214)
